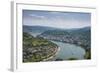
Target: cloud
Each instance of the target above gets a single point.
(55, 12)
(37, 16)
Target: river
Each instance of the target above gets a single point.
(68, 51)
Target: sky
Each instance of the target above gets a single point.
(56, 19)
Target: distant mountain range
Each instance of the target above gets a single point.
(41, 29)
(36, 29)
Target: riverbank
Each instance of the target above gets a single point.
(55, 53)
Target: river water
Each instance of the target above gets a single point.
(68, 51)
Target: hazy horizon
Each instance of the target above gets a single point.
(55, 27)
(65, 20)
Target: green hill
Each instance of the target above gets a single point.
(37, 49)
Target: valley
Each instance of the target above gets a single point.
(53, 44)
